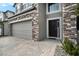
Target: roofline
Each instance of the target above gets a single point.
(7, 11)
(33, 8)
(10, 11)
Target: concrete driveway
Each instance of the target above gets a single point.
(12, 46)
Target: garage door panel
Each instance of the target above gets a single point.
(19, 33)
(22, 29)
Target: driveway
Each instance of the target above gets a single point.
(12, 46)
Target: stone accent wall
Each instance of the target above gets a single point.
(35, 24)
(70, 30)
(35, 27)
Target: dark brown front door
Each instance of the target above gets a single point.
(53, 28)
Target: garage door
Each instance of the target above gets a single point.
(22, 29)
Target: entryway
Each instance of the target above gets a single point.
(53, 28)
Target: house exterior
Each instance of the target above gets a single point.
(5, 15)
(3, 18)
(39, 21)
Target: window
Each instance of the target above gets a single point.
(26, 5)
(53, 7)
(18, 6)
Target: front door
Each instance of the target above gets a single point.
(53, 28)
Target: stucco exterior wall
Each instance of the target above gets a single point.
(6, 28)
(42, 20)
(0, 29)
(2, 16)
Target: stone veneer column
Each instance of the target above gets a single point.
(35, 25)
(67, 25)
(70, 30)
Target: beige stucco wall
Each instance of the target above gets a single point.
(6, 28)
(42, 20)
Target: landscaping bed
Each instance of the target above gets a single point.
(60, 52)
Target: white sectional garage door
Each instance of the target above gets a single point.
(22, 29)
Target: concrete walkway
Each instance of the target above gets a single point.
(12, 46)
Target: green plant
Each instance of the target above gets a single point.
(70, 47)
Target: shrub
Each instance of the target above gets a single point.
(70, 47)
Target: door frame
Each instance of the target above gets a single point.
(60, 26)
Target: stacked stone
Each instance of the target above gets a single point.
(70, 30)
(35, 25)
(67, 25)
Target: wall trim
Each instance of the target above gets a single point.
(25, 19)
(60, 18)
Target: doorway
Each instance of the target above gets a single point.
(53, 28)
